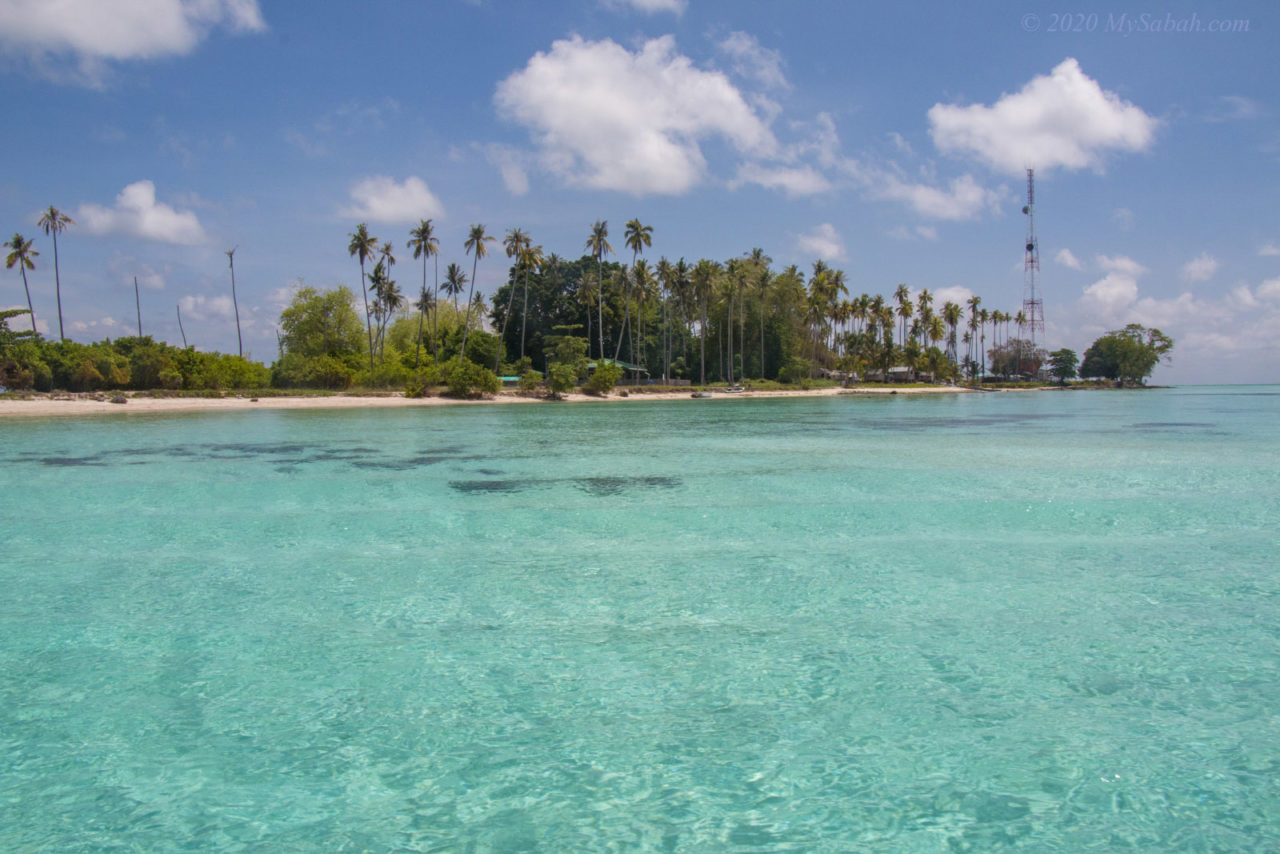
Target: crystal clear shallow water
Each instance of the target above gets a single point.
(1039, 621)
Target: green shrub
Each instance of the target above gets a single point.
(604, 378)
(562, 378)
(467, 379)
(530, 382)
(795, 370)
(421, 383)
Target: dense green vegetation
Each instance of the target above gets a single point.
(590, 322)
(1128, 355)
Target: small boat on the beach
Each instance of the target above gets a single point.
(701, 394)
(735, 389)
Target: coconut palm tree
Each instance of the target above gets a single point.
(530, 257)
(514, 243)
(637, 237)
(231, 262)
(475, 246)
(22, 254)
(423, 242)
(598, 245)
(54, 221)
(364, 246)
(642, 278)
(903, 295)
(761, 262)
(455, 279)
(951, 313)
(984, 317)
(702, 280)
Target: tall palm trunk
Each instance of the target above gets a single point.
(703, 344)
(57, 284)
(600, 304)
(524, 313)
(502, 339)
(368, 322)
(435, 314)
(31, 311)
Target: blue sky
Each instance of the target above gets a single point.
(888, 139)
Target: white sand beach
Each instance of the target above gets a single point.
(64, 404)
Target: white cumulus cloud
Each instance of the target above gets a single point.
(1067, 258)
(1064, 119)
(1121, 264)
(964, 198)
(380, 199)
(1111, 294)
(510, 165)
(1200, 269)
(609, 119)
(754, 61)
(1269, 249)
(824, 242)
(96, 32)
(200, 307)
(1269, 290)
(138, 214)
(649, 7)
(793, 180)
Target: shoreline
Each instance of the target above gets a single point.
(93, 404)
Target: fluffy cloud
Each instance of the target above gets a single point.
(649, 7)
(381, 199)
(511, 165)
(1269, 249)
(98, 31)
(752, 60)
(138, 214)
(957, 294)
(200, 307)
(963, 199)
(1269, 290)
(609, 119)
(1111, 294)
(824, 242)
(1122, 264)
(1066, 258)
(125, 268)
(1200, 268)
(793, 180)
(1063, 120)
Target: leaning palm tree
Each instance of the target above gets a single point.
(54, 221)
(231, 261)
(598, 244)
(364, 246)
(514, 243)
(475, 246)
(22, 254)
(423, 242)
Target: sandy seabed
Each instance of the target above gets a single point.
(61, 404)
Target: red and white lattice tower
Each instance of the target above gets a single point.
(1032, 306)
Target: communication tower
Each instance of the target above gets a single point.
(1032, 306)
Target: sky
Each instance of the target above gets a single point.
(890, 140)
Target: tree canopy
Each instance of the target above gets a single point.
(1128, 355)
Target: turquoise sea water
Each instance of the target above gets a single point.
(1043, 622)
